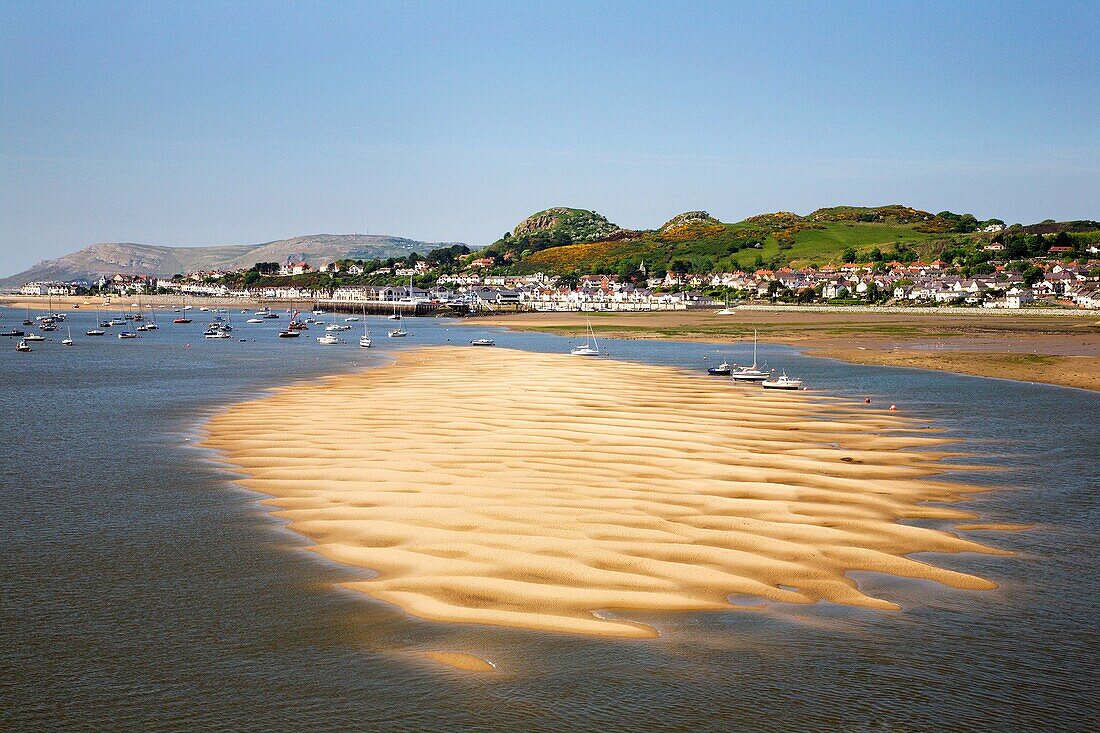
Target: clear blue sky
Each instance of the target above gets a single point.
(222, 123)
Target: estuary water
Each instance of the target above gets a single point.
(141, 590)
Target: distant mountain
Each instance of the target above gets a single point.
(147, 259)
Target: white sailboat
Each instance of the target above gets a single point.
(750, 373)
(364, 340)
(590, 346)
(68, 341)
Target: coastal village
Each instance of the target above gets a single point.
(473, 285)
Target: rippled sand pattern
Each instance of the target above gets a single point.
(560, 493)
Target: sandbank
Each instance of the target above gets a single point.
(562, 493)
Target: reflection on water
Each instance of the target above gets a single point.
(142, 591)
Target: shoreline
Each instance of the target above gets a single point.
(1034, 348)
(587, 494)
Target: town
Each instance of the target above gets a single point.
(464, 283)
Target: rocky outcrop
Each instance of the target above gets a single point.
(686, 218)
(576, 224)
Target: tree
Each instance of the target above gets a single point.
(1032, 275)
(875, 255)
(569, 280)
(628, 272)
(849, 255)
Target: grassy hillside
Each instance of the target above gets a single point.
(695, 241)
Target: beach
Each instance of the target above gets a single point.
(1062, 349)
(561, 494)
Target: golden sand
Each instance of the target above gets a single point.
(465, 662)
(561, 493)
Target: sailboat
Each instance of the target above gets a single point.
(95, 330)
(334, 326)
(364, 340)
(69, 340)
(183, 318)
(590, 347)
(293, 328)
(398, 332)
(750, 373)
(396, 316)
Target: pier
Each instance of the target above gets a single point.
(385, 307)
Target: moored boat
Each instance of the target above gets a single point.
(722, 370)
(483, 342)
(590, 347)
(781, 382)
(364, 340)
(750, 373)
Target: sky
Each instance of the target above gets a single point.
(241, 122)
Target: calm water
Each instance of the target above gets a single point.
(140, 590)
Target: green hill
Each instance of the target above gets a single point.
(564, 240)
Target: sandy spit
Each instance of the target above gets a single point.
(530, 490)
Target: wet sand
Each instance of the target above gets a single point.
(962, 341)
(562, 493)
(1069, 371)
